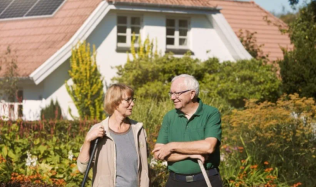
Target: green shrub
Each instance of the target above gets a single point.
(244, 79)
(52, 111)
(41, 152)
(232, 82)
(298, 68)
(281, 133)
(87, 88)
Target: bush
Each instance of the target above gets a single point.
(244, 79)
(282, 133)
(52, 111)
(298, 68)
(41, 152)
(87, 88)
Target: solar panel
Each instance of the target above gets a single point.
(28, 8)
(18, 8)
(45, 7)
(4, 4)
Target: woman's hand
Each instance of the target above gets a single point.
(94, 133)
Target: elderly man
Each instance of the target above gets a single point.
(189, 132)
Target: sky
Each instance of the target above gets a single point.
(276, 6)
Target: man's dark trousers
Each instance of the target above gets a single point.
(216, 181)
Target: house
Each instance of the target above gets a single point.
(43, 34)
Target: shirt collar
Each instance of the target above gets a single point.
(197, 112)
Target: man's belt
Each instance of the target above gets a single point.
(195, 177)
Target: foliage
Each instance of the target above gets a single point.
(232, 82)
(238, 169)
(41, 152)
(293, 2)
(298, 68)
(249, 41)
(87, 88)
(9, 83)
(288, 17)
(282, 133)
(244, 79)
(52, 111)
(44, 152)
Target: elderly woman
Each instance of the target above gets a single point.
(121, 156)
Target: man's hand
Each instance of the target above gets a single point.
(161, 151)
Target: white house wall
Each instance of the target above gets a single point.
(204, 42)
(37, 97)
(203, 39)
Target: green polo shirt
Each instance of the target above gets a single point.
(206, 122)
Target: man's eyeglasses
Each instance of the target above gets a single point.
(129, 100)
(177, 94)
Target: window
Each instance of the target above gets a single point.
(126, 27)
(177, 33)
(19, 98)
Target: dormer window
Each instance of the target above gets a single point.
(177, 33)
(126, 27)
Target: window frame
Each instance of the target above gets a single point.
(129, 33)
(176, 35)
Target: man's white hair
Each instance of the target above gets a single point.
(190, 82)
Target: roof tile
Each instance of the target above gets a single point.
(37, 39)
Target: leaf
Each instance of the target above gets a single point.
(4, 151)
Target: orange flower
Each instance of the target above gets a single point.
(254, 167)
(268, 169)
(242, 161)
(240, 148)
(266, 163)
(297, 184)
(242, 167)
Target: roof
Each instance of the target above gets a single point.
(250, 16)
(36, 40)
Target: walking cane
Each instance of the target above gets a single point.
(89, 163)
(207, 180)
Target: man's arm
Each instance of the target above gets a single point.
(201, 147)
(174, 157)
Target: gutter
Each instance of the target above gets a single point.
(164, 5)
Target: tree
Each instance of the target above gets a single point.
(9, 83)
(293, 2)
(298, 68)
(249, 41)
(244, 79)
(150, 76)
(52, 111)
(87, 88)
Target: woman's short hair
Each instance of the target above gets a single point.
(190, 82)
(114, 95)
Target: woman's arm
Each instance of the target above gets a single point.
(84, 155)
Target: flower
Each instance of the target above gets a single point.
(254, 167)
(70, 155)
(266, 163)
(268, 169)
(165, 163)
(153, 162)
(30, 160)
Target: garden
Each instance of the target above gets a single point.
(268, 114)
